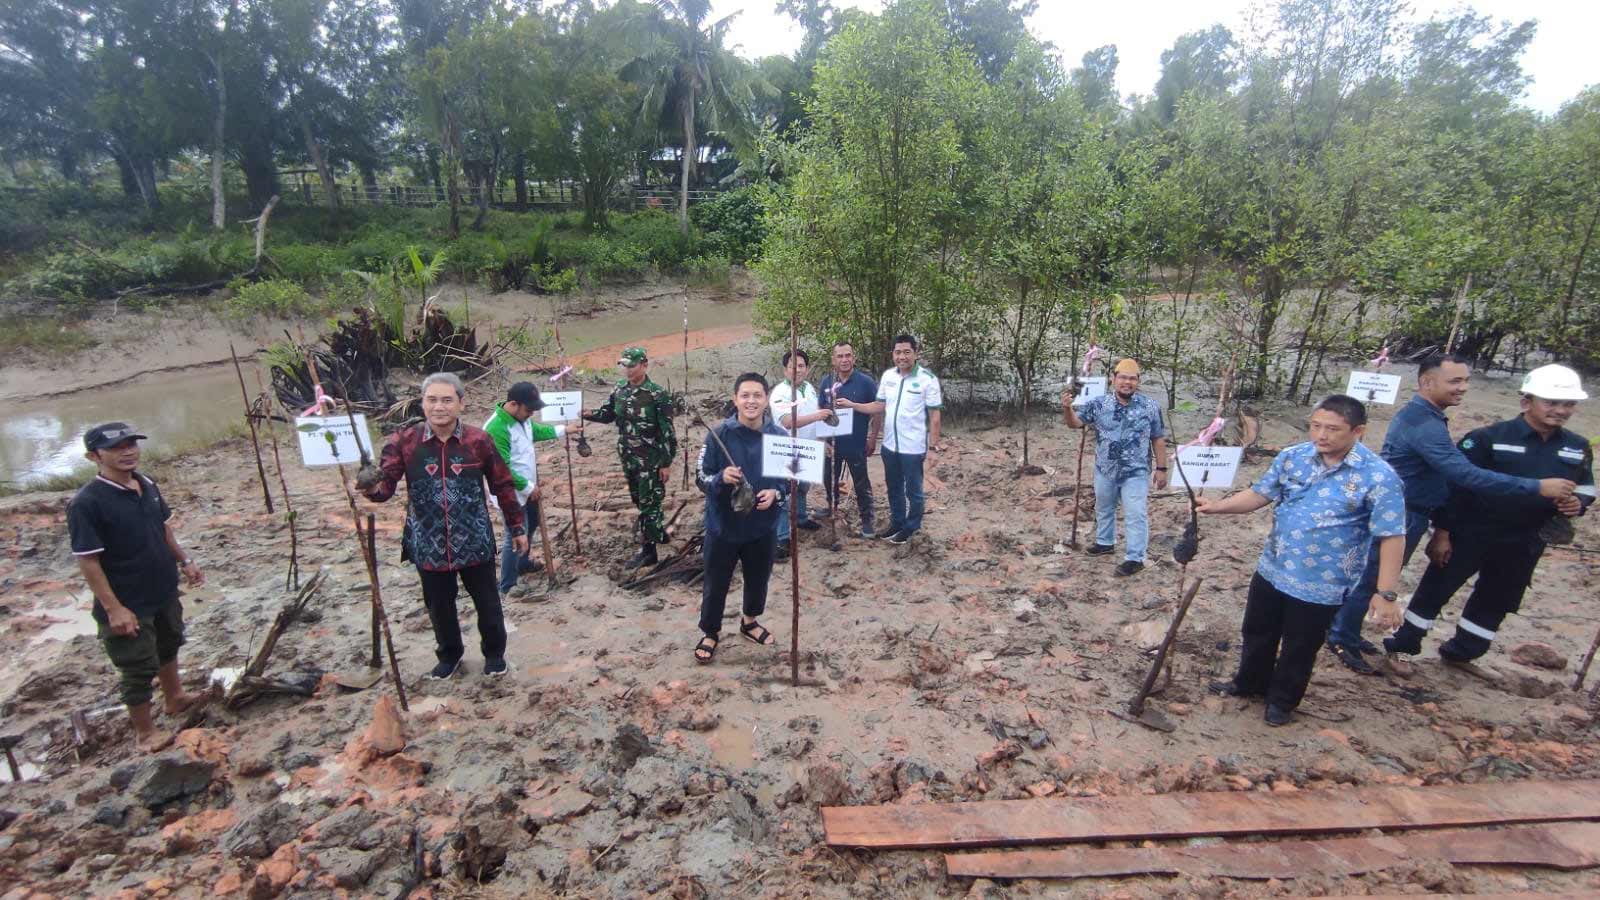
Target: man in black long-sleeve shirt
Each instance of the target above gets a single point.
(1500, 539)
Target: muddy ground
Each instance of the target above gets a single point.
(984, 660)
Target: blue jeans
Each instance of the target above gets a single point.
(1133, 493)
(512, 565)
(1346, 629)
(783, 517)
(902, 475)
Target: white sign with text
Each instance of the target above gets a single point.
(847, 418)
(798, 458)
(561, 406)
(1091, 388)
(1374, 387)
(317, 450)
(1207, 467)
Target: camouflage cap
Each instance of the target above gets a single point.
(632, 357)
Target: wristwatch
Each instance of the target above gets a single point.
(1390, 596)
(1161, 468)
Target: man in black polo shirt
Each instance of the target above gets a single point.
(1500, 539)
(130, 557)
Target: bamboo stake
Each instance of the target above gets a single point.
(794, 519)
(250, 420)
(376, 659)
(291, 580)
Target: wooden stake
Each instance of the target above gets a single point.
(1588, 659)
(1083, 443)
(291, 580)
(370, 556)
(376, 660)
(544, 542)
(1455, 325)
(794, 520)
(566, 439)
(250, 420)
(1136, 708)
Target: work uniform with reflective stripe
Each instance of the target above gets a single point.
(1494, 537)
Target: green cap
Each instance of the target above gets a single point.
(632, 356)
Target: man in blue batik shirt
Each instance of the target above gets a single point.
(1334, 498)
(1419, 448)
(1127, 428)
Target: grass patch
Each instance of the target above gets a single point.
(43, 336)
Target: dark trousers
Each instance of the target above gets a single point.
(721, 557)
(439, 596)
(1504, 570)
(1346, 630)
(859, 476)
(1281, 638)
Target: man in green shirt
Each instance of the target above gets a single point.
(642, 412)
(515, 432)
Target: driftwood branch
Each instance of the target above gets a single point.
(287, 615)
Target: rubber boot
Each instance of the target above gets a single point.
(645, 557)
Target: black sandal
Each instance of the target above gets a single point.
(705, 650)
(755, 632)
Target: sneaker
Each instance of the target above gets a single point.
(1277, 716)
(1130, 567)
(1393, 645)
(445, 670)
(868, 533)
(1352, 659)
(1100, 549)
(901, 537)
(494, 668)
(530, 566)
(1369, 648)
(517, 592)
(888, 533)
(810, 524)
(782, 552)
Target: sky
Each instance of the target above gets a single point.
(1561, 60)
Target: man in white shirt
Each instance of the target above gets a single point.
(514, 433)
(911, 402)
(794, 405)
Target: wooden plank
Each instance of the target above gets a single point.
(1568, 846)
(991, 823)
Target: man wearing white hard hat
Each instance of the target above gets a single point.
(1500, 539)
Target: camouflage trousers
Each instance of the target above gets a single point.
(648, 492)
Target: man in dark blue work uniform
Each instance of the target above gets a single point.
(1419, 448)
(1501, 539)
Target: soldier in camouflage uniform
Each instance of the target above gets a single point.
(642, 411)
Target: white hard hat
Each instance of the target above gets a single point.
(1553, 383)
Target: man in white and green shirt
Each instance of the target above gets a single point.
(911, 402)
(795, 399)
(514, 433)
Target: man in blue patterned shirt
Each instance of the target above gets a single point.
(1127, 427)
(1334, 498)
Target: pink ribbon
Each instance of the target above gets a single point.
(1382, 359)
(322, 400)
(1207, 435)
(1089, 358)
(561, 374)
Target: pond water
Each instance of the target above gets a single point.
(42, 439)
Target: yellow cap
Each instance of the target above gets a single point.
(1126, 366)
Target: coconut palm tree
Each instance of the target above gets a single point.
(687, 74)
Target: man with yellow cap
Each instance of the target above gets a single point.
(1128, 426)
(1500, 539)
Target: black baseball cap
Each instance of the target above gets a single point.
(525, 393)
(109, 435)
